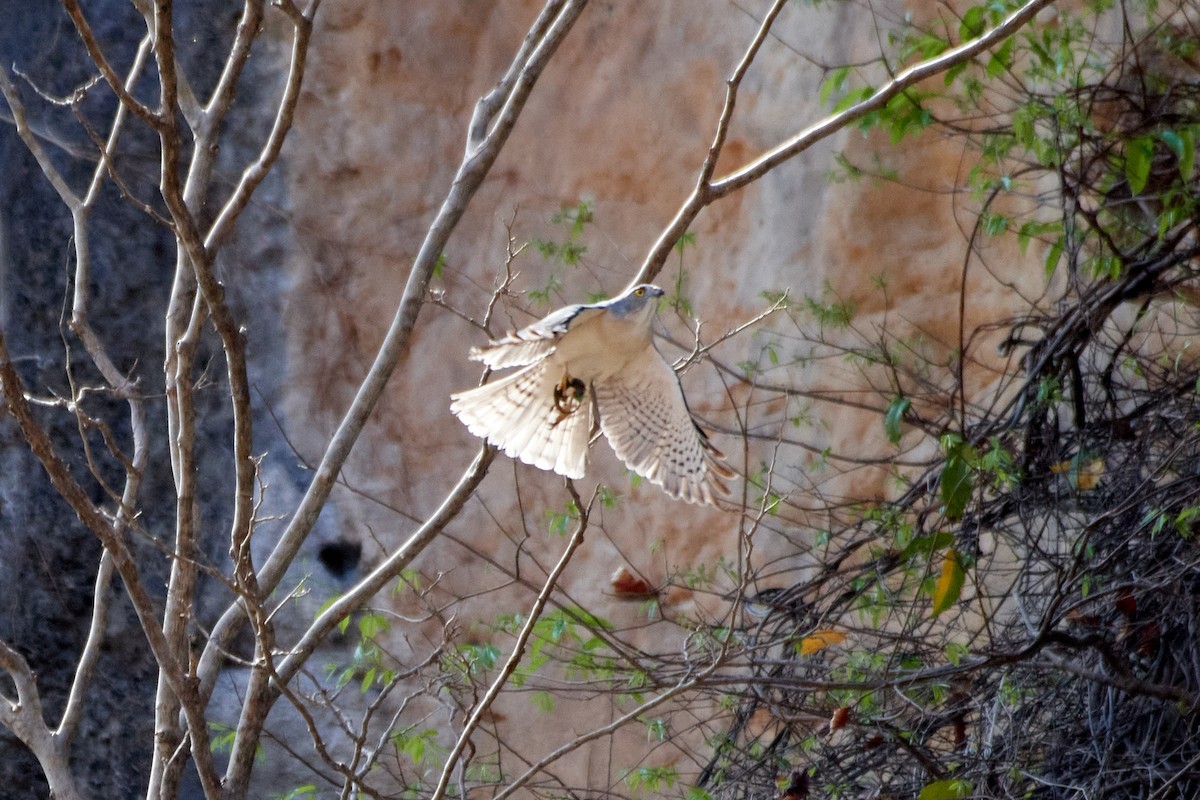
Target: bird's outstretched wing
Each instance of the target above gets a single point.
(533, 342)
(645, 418)
(520, 415)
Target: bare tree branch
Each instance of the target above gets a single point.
(86, 666)
(708, 191)
(578, 741)
(518, 651)
(471, 172)
(379, 577)
(248, 29)
(65, 192)
(23, 717)
(154, 120)
(254, 174)
(126, 566)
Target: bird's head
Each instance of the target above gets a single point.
(640, 302)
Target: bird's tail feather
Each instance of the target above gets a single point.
(518, 414)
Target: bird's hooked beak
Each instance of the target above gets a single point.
(653, 295)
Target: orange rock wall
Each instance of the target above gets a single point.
(623, 117)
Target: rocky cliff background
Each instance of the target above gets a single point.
(622, 120)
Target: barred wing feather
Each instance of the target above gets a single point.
(645, 418)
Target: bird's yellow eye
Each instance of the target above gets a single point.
(639, 292)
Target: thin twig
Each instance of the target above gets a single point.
(475, 166)
(114, 81)
(518, 651)
(706, 191)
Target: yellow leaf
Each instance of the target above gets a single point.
(820, 639)
(1085, 475)
(1089, 474)
(949, 584)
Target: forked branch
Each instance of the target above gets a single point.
(528, 65)
(709, 191)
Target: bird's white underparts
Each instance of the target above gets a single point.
(587, 364)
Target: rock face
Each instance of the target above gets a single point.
(622, 118)
(49, 560)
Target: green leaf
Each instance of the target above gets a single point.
(950, 789)
(956, 482)
(1139, 152)
(1103, 266)
(221, 737)
(852, 97)
(1033, 229)
(948, 588)
(956, 652)
(834, 83)
(1172, 140)
(656, 729)
(1022, 125)
(972, 23)
(929, 45)
(344, 622)
(414, 748)
(543, 701)
(954, 72)
(1053, 256)
(654, 779)
(299, 793)
(1183, 144)
(1001, 60)
(1187, 159)
(685, 240)
(895, 413)
(371, 625)
(928, 544)
(993, 224)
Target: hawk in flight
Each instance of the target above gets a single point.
(587, 361)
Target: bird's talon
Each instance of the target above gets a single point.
(568, 397)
